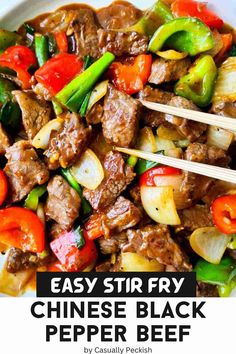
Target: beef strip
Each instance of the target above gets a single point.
(189, 129)
(63, 202)
(56, 230)
(35, 112)
(120, 216)
(118, 15)
(117, 177)
(194, 187)
(206, 290)
(155, 242)
(113, 244)
(85, 32)
(168, 70)
(24, 170)
(18, 260)
(226, 109)
(66, 145)
(209, 155)
(150, 117)
(4, 140)
(122, 43)
(94, 116)
(195, 217)
(80, 22)
(120, 121)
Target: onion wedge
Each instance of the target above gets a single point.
(41, 139)
(209, 243)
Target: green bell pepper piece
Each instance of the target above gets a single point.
(232, 53)
(144, 165)
(225, 290)
(6, 87)
(185, 34)
(217, 274)
(32, 201)
(8, 39)
(73, 94)
(10, 116)
(41, 48)
(86, 207)
(152, 19)
(198, 84)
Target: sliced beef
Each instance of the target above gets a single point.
(63, 202)
(190, 129)
(194, 187)
(196, 217)
(206, 290)
(94, 116)
(218, 189)
(118, 15)
(122, 43)
(168, 70)
(35, 112)
(155, 242)
(85, 32)
(18, 260)
(56, 230)
(121, 216)
(117, 177)
(113, 244)
(120, 121)
(153, 118)
(66, 145)
(24, 170)
(4, 140)
(226, 109)
(80, 22)
(210, 155)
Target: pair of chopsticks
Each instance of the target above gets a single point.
(215, 172)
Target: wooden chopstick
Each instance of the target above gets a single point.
(223, 174)
(207, 118)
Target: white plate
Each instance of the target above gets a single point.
(14, 12)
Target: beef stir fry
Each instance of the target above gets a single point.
(71, 83)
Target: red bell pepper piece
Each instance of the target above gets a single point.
(59, 71)
(224, 213)
(93, 227)
(62, 41)
(189, 8)
(19, 58)
(55, 267)
(21, 228)
(73, 259)
(131, 78)
(3, 187)
(147, 178)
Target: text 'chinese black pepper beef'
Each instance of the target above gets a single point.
(24, 170)
(117, 177)
(120, 121)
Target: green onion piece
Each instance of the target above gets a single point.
(41, 48)
(84, 106)
(57, 108)
(29, 29)
(232, 53)
(6, 87)
(52, 44)
(86, 207)
(132, 161)
(32, 200)
(79, 237)
(88, 60)
(218, 274)
(73, 94)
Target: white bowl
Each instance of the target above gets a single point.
(14, 12)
